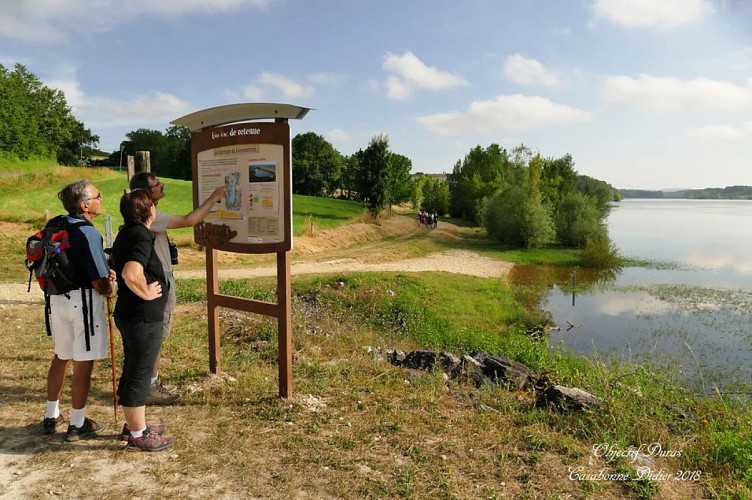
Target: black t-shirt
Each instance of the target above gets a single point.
(136, 243)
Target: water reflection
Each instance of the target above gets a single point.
(703, 332)
(696, 317)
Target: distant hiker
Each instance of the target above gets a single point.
(139, 315)
(79, 323)
(435, 220)
(158, 393)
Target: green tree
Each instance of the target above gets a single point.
(374, 179)
(154, 142)
(480, 174)
(436, 198)
(177, 159)
(558, 178)
(402, 186)
(517, 216)
(602, 192)
(350, 174)
(578, 220)
(317, 167)
(36, 121)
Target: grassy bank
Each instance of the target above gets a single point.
(700, 443)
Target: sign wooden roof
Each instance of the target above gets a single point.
(235, 113)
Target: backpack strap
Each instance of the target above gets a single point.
(47, 311)
(85, 310)
(91, 310)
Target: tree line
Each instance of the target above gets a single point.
(520, 197)
(36, 121)
(727, 193)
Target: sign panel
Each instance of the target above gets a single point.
(252, 160)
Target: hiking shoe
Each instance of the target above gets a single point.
(160, 395)
(158, 429)
(89, 429)
(149, 442)
(49, 426)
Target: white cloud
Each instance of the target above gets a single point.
(722, 132)
(670, 93)
(409, 73)
(141, 110)
(288, 87)
(254, 93)
(32, 21)
(660, 14)
(52, 21)
(330, 79)
(505, 113)
(187, 6)
(337, 134)
(525, 71)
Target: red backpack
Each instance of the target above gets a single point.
(47, 259)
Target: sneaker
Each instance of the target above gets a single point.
(49, 426)
(160, 395)
(158, 429)
(89, 429)
(149, 442)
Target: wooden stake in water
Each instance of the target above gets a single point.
(574, 285)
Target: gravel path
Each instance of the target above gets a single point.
(453, 261)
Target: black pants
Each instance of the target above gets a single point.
(141, 345)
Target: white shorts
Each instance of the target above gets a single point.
(169, 306)
(69, 330)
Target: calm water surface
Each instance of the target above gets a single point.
(695, 316)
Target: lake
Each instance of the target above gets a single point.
(693, 312)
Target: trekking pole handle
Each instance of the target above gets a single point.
(108, 230)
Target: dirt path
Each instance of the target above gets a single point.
(452, 261)
(356, 247)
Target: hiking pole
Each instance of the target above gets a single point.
(108, 239)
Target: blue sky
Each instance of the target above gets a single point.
(648, 94)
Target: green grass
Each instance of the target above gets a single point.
(26, 197)
(641, 404)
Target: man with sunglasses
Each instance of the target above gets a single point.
(79, 324)
(158, 393)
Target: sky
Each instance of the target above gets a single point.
(643, 94)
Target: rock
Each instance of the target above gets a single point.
(469, 370)
(395, 356)
(449, 362)
(420, 360)
(503, 370)
(566, 398)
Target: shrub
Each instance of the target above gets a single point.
(516, 216)
(577, 220)
(601, 252)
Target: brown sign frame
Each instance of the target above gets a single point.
(215, 120)
(276, 133)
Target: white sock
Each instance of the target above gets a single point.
(154, 379)
(137, 434)
(53, 409)
(77, 417)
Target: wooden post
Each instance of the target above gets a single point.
(284, 324)
(143, 161)
(212, 289)
(131, 167)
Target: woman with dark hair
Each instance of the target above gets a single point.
(139, 313)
